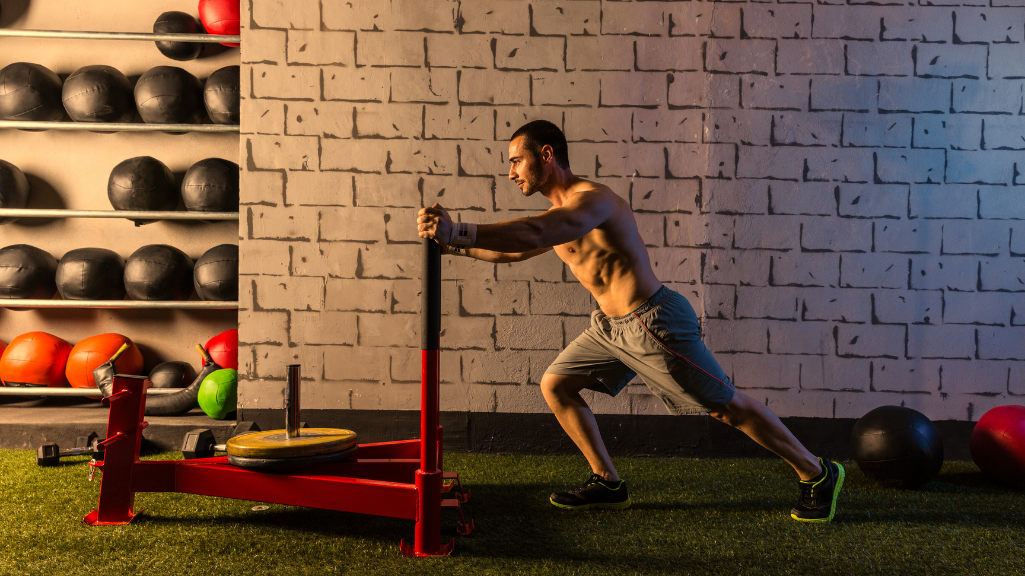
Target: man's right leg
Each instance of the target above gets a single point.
(562, 392)
(604, 488)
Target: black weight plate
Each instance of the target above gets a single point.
(279, 464)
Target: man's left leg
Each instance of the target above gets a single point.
(764, 427)
(820, 479)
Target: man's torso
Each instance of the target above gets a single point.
(611, 260)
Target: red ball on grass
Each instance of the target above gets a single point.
(998, 444)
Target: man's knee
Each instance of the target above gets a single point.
(723, 415)
(733, 412)
(555, 386)
(549, 385)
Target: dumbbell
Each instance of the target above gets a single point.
(200, 443)
(49, 454)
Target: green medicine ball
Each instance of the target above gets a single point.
(218, 394)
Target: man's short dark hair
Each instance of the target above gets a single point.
(541, 133)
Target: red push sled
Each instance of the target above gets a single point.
(402, 479)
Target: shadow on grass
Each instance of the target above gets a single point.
(961, 482)
(739, 506)
(326, 523)
(964, 483)
(976, 519)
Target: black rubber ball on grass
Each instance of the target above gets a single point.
(159, 272)
(142, 183)
(175, 22)
(91, 274)
(216, 274)
(99, 94)
(222, 95)
(211, 185)
(172, 375)
(897, 447)
(14, 188)
(26, 272)
(30, 92)
(169, 95)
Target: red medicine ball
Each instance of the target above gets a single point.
(998, 444)
(220, 17)
(34, 359)
(223, 348)
(88, 354)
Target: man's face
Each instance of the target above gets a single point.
(525, 169)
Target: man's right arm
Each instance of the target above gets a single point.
(492, 256)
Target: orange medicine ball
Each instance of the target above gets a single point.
(88, 354)
(34, 359)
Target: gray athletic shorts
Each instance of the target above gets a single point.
(661, 342)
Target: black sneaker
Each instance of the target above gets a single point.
(818, 496)
(595, 493)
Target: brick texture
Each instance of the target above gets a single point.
(837, 188)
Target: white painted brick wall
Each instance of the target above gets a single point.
(837, 188)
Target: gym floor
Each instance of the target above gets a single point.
(689, 517)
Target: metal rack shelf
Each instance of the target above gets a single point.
(119, 126)
(127, 214)
(144, 36)
(119, 304)
(41, 391)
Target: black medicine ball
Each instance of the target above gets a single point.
(222, 95)
(178, 23)
(99, 94)
(26, 272)
(142, 183)
(91, 274)
(30, 92)
(211, 185)
(14, 188)
(216, 274)
(169, 95)
(897, 447)
(159, 272)
(172, 375)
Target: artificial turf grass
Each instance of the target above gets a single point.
(689, 516)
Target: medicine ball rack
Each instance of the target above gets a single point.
(132, 215)
(401, 479)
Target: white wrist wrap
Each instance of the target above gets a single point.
(456, 251)
(464, 234)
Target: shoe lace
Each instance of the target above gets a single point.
(808, 494)
(594, 479)
(808, 490)
(811, 495)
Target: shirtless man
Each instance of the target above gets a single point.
(641, 327)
